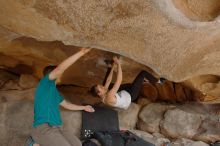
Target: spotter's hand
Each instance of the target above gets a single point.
(88, 108)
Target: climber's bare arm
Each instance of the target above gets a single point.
(118, 82)
(109, 79)
(74, 107)
(58, 71)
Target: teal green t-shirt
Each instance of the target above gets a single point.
(46, 103)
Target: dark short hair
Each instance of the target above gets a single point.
(94, 91)
(48, 69)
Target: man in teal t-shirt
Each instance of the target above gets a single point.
(47, 124)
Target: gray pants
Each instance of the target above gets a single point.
(46, 135)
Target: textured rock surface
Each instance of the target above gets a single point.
(151, 116)
(149, 91)
(128, 118)
(208, 131)
(188, 142)
(143, 101)
(193, 120)
(200, 10)
(28, 81)
(157, 141)
(28, 56)
(178, 123)
(204, 121)
(208, 84)
(197, 121)
(169, 36)
(13, 87)
(5, 77)
(72, 122)
(159, 34)
(15, 128)
(15, 133)
(15, 122)
(152, 32)
(172, 92)
(13, 95)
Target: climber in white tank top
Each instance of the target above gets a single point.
(123, 99)
(119, 95)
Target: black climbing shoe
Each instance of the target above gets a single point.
(162, 80)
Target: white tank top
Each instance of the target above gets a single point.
(123, 99)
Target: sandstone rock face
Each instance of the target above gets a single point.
(40, 33)
(128, 118)
(196, 121)
(166, 91)
(30, 57)
(169, 36)
(15, 122)
(203, 119)
(5, 77)
(202, 10)
(154, 32)
(11, 85)
(157, 141)
(208, 131)
(188, 142)
(143, 101)
(14, 88)
(14, 95)
(193, 121)
(78, 95)
(208, 84)
(72, 122)
(16, 119)
(178, 123)
(15, 128)
(151, 116)
(172, 92)
(149, 91)
(28, 81)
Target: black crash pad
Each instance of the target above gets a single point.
(120, 138)
(139, 141)
(103, 119)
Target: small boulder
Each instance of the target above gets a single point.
(128, 118)
(188, 142)
(178, 123)
(151, 116)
